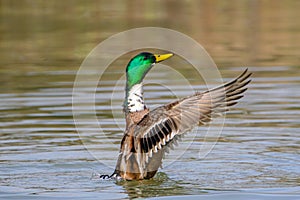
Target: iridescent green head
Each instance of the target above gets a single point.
(139, 65)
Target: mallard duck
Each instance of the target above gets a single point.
(148, 133)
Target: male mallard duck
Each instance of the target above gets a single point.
(148, 133)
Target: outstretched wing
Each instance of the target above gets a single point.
(160, 126)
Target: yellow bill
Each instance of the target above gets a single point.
(162, 57)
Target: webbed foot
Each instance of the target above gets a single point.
(113, 176)
(105, 176)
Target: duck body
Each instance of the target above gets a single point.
(149, 134)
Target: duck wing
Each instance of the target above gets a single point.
(164, 124)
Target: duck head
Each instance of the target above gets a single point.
(140, 64)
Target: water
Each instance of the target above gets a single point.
(43, 157)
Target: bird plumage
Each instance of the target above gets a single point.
(149, 133)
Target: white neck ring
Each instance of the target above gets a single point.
(135, 100)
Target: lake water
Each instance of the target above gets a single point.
(42, 156)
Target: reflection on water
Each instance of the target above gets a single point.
(42, 46)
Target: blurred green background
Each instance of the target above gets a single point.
(37, 33)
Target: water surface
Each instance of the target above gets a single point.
(43, 157)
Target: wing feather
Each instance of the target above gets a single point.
(167, 123)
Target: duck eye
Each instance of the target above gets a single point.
(145, 57)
